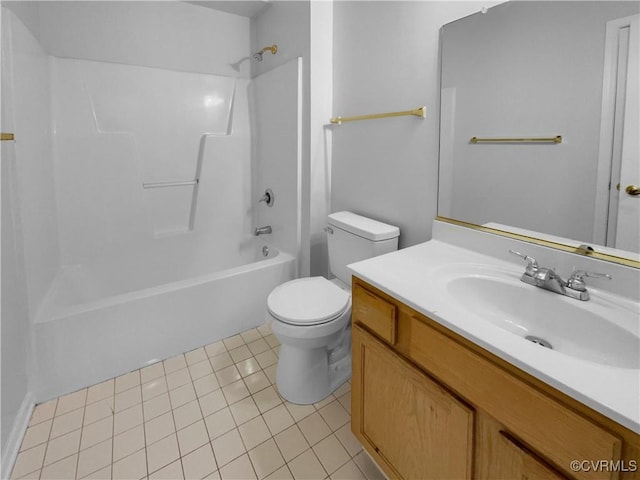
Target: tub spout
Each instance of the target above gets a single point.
(262, 230)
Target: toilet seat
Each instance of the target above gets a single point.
(307, 301)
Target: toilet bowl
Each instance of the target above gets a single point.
(314, 332)
(311, 317)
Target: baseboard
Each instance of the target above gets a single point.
(20, 424)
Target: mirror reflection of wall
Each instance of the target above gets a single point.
(536, 69)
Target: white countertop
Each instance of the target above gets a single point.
(411, 276)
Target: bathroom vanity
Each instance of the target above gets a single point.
(438, 392)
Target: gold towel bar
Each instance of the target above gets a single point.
(418, 112)
(7, 136)
(556, 139)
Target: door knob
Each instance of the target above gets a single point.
(633, 190)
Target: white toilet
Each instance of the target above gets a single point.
(312, 316)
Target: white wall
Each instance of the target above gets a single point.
(286, 23)
(386, 59)
(164, 34)
(276, 131)
(114, 135)
(34, 166)
(131, 82)
(14, 310)
(321, 105)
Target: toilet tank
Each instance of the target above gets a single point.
(352, 238)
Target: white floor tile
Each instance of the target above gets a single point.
(254, 432)
(192, 437)
(127, 381)
(187, 414)
(239, 469)
(101, 391)
(266, 458)
(36, 435)
(307, 467)
(62, 469)
(199, 463)
(43, 411)
(331, 453)
(67, 422)
(278, 419)
(213, 412)
(159, 427)
(162, 453)
(96, 432)
(349, 471)
(29, 461)
(196, 356)
(291, 442)
(71, 401)
(173, 471)
(219, 423)
(228, 447)
(314, 428)
(127, 419)
(152, 372)
(174, 363)
(267, 399)
(128, 442)
(132, 467)
(94, 458)
(62, 447)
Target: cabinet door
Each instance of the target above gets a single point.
(404, 418)
(501, 456)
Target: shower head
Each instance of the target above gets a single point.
(258, 55)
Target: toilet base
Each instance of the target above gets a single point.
(305, 376)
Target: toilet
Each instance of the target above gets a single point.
(311, 317)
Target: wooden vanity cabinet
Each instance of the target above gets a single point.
(429, 404)
(398, 402)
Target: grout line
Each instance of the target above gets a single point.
(46, 448)
(84, 412)
(113, 425)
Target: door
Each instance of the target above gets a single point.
(618, 185)
(627, 235)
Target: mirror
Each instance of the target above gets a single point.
(550, 91)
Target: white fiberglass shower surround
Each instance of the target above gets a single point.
(138, 184)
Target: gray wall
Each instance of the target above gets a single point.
(386, 59)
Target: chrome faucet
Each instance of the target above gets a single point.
(548, 279)
(262, 230)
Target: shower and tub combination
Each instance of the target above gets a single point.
(148, 188)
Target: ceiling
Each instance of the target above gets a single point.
(244, 8)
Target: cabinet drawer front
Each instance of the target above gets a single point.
(554, 431)
(375, 313)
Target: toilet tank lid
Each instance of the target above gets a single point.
(363, 226)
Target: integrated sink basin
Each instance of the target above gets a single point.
(601, 330)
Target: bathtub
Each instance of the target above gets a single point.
(105, 319)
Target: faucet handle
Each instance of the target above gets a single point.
(576, 280)
(532, 265)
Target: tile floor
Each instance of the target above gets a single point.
(213, 412)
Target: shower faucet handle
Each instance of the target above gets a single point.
(268, 197)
